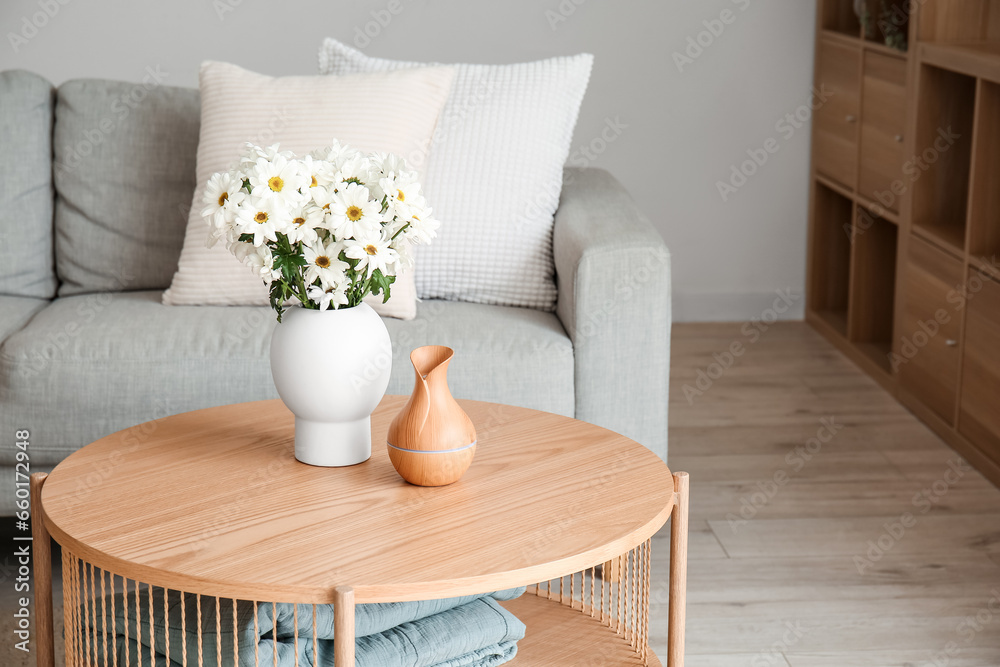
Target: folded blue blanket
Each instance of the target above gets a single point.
(470, 631)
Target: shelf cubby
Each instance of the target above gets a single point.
(839, 16)
(889, 24)
(984, 205)
(829, 289)
(873, 286)
(943, 155)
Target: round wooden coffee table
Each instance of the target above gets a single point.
(213, 503)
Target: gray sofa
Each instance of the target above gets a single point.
(96, 179)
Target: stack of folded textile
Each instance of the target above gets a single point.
(471, 631)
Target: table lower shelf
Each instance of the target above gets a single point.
(558, 636)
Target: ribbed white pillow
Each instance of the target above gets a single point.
(494, 174)
(394, 112)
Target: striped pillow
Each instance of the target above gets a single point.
(393, 112)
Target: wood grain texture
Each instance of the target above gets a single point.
(931, 326)
(678, 571)
(882, 125)
(42, 568)
(213, 501)
(984, 203)
(979, 417)
(835, 123)
(792, 561)
(343, 626)
(552, 627)
(438, 437)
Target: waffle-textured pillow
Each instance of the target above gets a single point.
(393, 112)
(493, 175)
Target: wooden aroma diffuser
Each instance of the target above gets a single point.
(431, 441)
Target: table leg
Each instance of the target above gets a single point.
(42, 561)
(343, 626)
(678, 571)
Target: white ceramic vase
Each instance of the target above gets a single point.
(331, 368)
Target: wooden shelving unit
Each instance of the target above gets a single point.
(904, 230)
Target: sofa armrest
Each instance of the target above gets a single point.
(613, 273)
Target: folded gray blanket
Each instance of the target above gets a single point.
(471, 631)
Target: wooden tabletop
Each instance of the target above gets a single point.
(214, 502)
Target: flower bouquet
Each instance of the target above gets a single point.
(324, 230)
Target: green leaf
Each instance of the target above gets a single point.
(246, 238)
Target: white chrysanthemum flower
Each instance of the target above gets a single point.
(404, 252)
(325, 297)
(392, 164)
(318, 172)
(263, 218)
(324, 262)
(422, 226)
(372, 252)
(336, 154)
(403, 194)
(222, 198)
(356, 169)
(259, 259)
(279, 178)
(354, 213)
(254, 153)
(305, 220)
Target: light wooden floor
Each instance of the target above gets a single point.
(793, 584)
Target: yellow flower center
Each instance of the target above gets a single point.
(275, 183)
(299, 221)
(326, 207)
(323, 262)
(354, 213)
(313, 183)
(260, 218)
(400, 195)
(223, 198)
(371, 250)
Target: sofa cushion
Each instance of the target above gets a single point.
(124, 176)
(17, 311)
(493, 175)
(302, 114)
(89, 365)
(26, 266)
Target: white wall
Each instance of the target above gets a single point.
(685, 129)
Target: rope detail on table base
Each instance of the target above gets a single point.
(619, 602)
